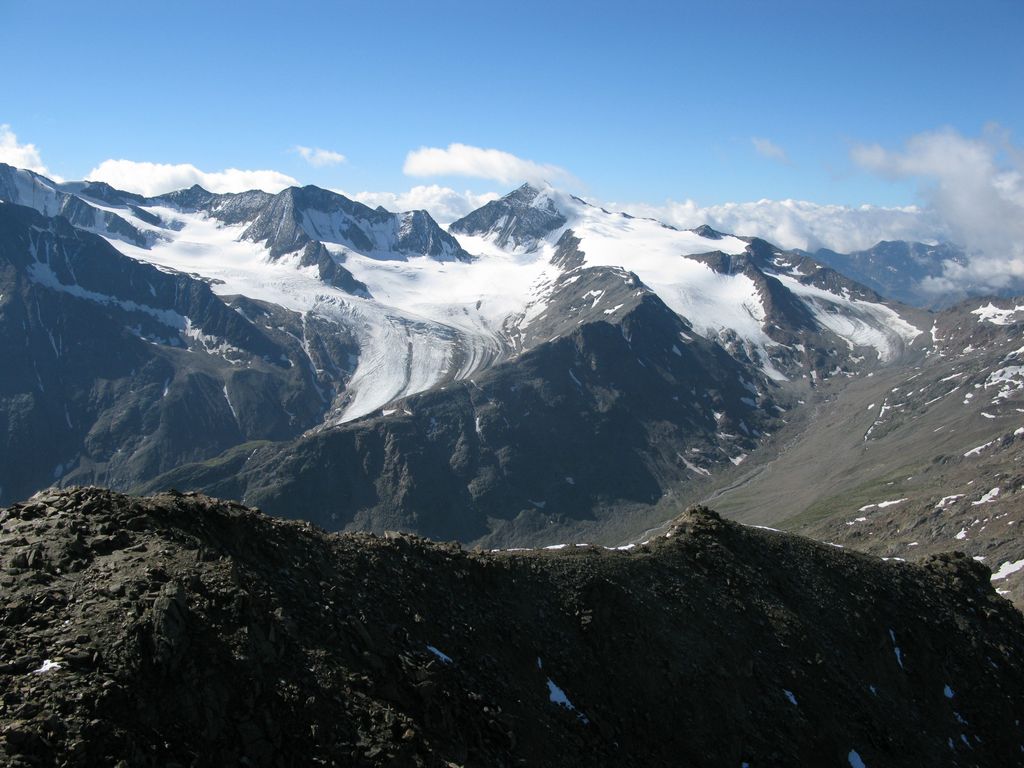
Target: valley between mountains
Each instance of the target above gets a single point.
(541, 371)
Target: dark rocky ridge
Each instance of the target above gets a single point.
(294, 218)
(178, 630)
(811, 272)
(315, 254)
(229, 208)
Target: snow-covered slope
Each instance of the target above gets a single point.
(858, 322)
(427, 318)
(258, 245)
(27, 188)
(401, 351)
(426, 308)
(542, 224)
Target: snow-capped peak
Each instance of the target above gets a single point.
(424, 311)
(729, 304)
(300, 215)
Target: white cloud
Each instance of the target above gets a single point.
(318, 157)
(443, 203)
(21, 155)
(976, 187)
(158, 178)
(494, 164)
(798, 223)
(768, 148)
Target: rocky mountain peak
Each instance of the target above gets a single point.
(301, 215)
(705, 231)
(519, 220)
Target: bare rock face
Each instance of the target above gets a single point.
(520, 219)
(181, 630)
(296, 217)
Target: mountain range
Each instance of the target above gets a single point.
(541, 371)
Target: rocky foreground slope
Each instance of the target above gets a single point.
(180, 630)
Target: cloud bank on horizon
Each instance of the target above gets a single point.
(972, 191)
(799, 223)
(976, 188)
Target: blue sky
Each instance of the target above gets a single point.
(638, 101)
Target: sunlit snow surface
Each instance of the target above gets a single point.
(656, 254)
(992, 314)
(713, 302)
(48, 665)
(1008, 568)
(422, 326)
(431, 321)
(859, 323)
